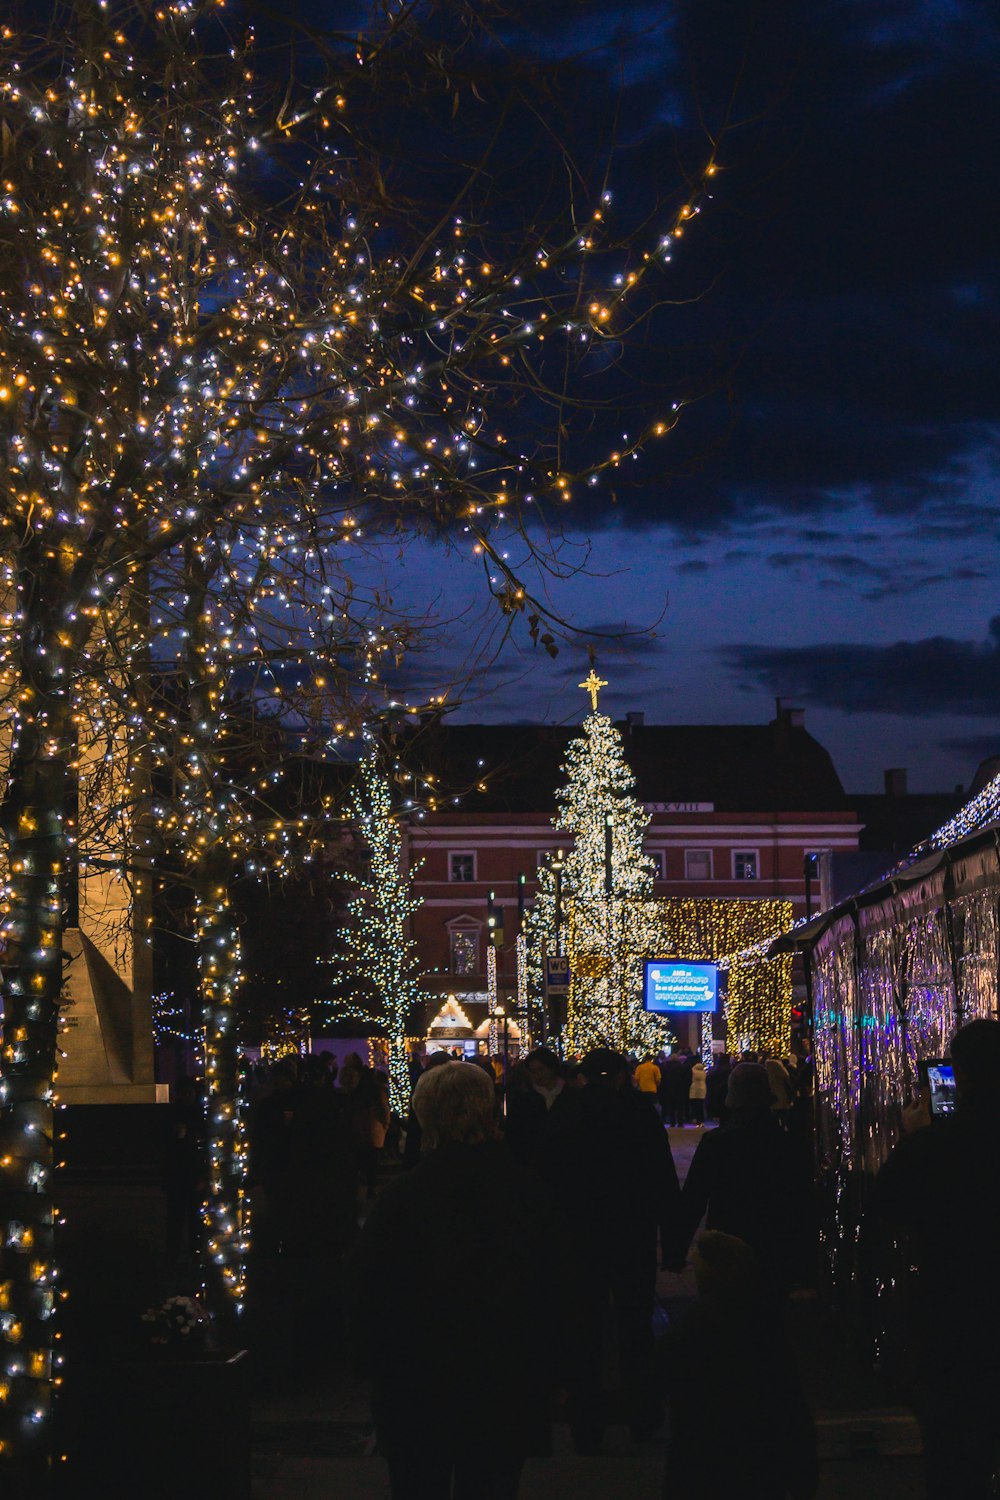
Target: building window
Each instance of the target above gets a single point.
(464, 950)
(659, 858)
(745, 864)
(698, 864)
(462, 867)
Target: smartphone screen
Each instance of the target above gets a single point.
(941, 1081)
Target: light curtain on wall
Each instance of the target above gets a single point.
(892, 980)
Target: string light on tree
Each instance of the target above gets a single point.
(598, 810)
(379, 967)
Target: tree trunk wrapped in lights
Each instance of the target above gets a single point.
(379, 967)
(208, 837)
(32, 957)
(226, 1209)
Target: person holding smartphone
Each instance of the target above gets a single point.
(939, 1191)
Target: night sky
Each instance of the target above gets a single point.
(823, 524)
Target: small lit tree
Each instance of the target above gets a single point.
(598, 810)
(378, 967)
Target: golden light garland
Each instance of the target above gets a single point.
(599, 813)
(608, 940)
(378, 966)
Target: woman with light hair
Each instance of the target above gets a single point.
(456, 1415)
(455, 1105)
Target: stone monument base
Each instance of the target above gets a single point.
(106, 1033)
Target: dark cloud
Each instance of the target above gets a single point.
(617, 635)
(978, 747)
(894, 578)
(620, 651)
(838, 563)
(914, 582)
(939, 676)
(829, 324)
(845, 293)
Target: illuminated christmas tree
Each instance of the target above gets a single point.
(379, 964)
(604, 867)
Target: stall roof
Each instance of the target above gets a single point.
(956, 870)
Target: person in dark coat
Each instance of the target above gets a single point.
(270, 1156)
(414, 1135)
(674, 1086)
(456, 1413)
(718, 1086)
(628, 1193)
(302, 1157)
(939, 1192)
(726, 1370)
(749, 1180)
(186, 1171)
(543, 1127)
(364, 1095)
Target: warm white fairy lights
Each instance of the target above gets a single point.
(976, 813)
(492, 1001)
(524, 1017)
(377, 967)
(607, 825)
(211, 402)
(735, 933)
(610, 921)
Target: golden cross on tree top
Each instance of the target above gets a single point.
(592, 685)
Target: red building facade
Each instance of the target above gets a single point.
(733, 812)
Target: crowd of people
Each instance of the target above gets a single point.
(549, 1191)
(689, 1092)
(560, 1207)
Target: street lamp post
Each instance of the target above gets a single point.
(551, 1018)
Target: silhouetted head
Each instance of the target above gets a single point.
(283, 1076)
(604, 1068)
(455, 1105)
(749, 1091)
(543, 1068)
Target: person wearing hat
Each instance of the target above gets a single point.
(751, 1183)
(628, 1194)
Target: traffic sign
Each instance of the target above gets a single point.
(557, 976)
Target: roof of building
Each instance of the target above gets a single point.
(894, 825)
(517, 768)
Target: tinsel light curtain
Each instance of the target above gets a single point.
(894, 972)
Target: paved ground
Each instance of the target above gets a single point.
(313, 1441)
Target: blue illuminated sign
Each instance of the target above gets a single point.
(671, 986)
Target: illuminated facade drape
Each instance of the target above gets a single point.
(893, 976)
(610, 937)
